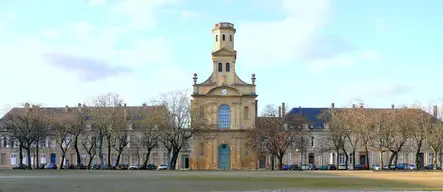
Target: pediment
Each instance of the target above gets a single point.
(223, 52)
(218, 91)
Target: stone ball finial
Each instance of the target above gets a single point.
(195, 74)
(253, 78)
(195, 78)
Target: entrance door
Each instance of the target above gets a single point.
(185, 162)
(363, 160)
(52, 157)
(422, 159)
(311, 158)
(262, 162)
(224, 157)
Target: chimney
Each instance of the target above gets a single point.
(125, 111)
(283, 109)
(84, 105)
(392, 106)
(332, 105)
(353, 105)
(27, 105)
(79, 106)
(361, 105)
(279, 111)
(144, 104)
(435, 111)
(66, 108)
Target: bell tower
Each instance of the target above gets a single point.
(223, 36)
(223, 54)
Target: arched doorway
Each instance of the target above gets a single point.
(224, 157)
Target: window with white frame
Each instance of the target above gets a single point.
(43, 158)
(290, 159)
(165, 158)
(134, 159)
(371, 158)
(341, 158)
(124, 158)
(351, 155)
(154, 158)
(113, 158)
(411, 158)
(430, 158)
(13, 159)
(83, 158)
(400, 158)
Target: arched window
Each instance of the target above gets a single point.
(228, 67)
(220, 67)
(223, 37)
(224, 117)
(230, 37)
(246, 112)
(216, 38)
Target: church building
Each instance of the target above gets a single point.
(230, 106)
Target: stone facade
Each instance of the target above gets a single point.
(230, 106)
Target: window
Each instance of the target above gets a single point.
(224, 117)
(124, 158)
(5, 142)
(220, 67)
(223, 37)
(350, 157)
(430, 158)
(216, 38)
(134, 159)
(246, 112)
(165, 158)
(230, 37)
(83, 158)
(341, 158)
(202, 149)
(228, 67)
(202, 111)
(113, 159)
(371, 158)
(154, 157)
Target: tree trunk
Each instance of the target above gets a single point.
(109, 152)
(346, 157)
(280, 162)
(367, 158)
(62, 160)
(145, 164)
(396, 159)
(138, 157)
(100, 151)
(381, 159)
(20, 156)
(77, 151)
(338, 157)
(435, 158)
(353, 158)
(417, 155)
(173, 159)
(28, 154)
(37, 160)
(117, 161)
(273, 163)
(393, 153)
(91, 157)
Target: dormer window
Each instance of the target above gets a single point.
(220, 67)
(228, 67)
(223, 37)
(216, 38)
(230, 37)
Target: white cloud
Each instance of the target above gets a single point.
(187, 14)
(374, 88)
(140, 13)
(28, 75)
(295, 39)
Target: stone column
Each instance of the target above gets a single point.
(215, 145)
(209, 155)
(237, 152)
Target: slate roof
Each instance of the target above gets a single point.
(312, 119)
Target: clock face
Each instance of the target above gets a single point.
(224, 91)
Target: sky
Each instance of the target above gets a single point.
(307, 53)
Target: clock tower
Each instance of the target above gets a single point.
(229, 104)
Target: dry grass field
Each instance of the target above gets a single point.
(165, 181)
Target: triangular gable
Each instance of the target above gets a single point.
(223, 52)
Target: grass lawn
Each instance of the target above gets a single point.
(165, 181)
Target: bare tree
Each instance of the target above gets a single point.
(380, 132)
(136, 143)
(89, 143)
(336, 121)
(434, 135)
(24, 125)
(177, 122)
(76, 118)
(322, 146)
(149, 132)
(274, 134)
(102, 115)
(120, 132)
(403, 122)
(62, 132)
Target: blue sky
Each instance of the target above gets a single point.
(306, 53)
